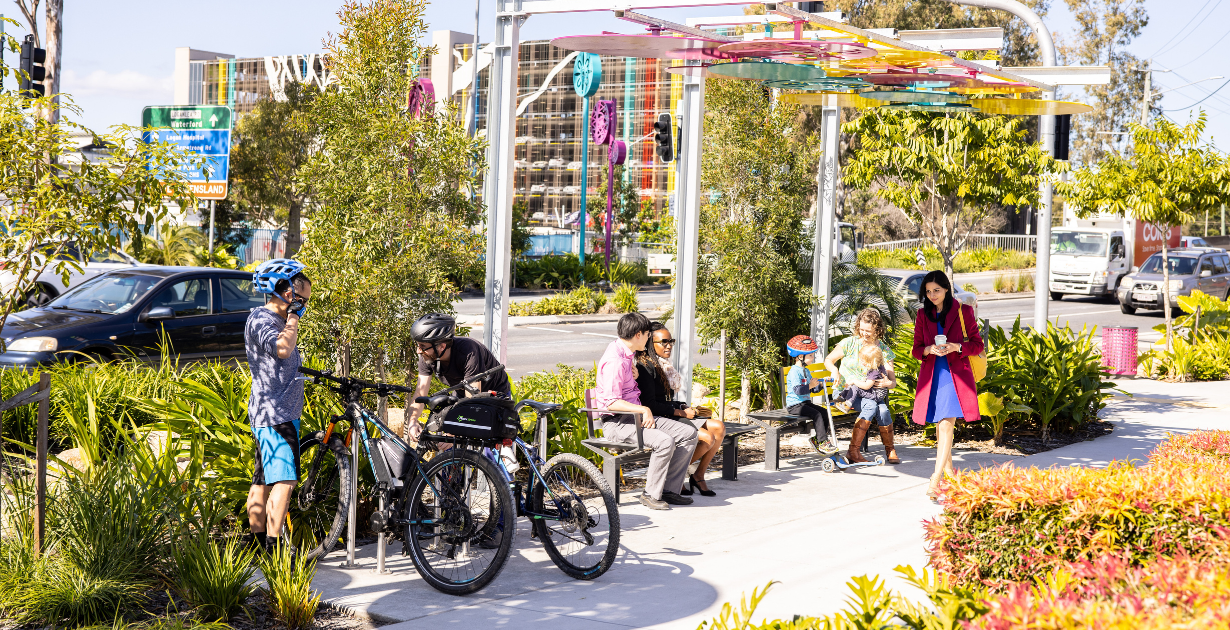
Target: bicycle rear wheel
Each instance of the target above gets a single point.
(320, 504)
(450, 511)
(583, 537)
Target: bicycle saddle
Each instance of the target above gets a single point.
(436, 402)
(541, 407)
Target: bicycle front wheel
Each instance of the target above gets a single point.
(319, 506)
(581, 529)
(450, 512)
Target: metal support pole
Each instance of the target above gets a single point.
(472, 122)
(382, 543)
(722, 381)
(1046, 135)
(352, 516)
(40, 467)
(210, 252)
(825, 225)
(500, 188)
(688, 226)
(584, 184)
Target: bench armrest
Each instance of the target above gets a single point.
(640, 431)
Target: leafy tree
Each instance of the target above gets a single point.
(175, 244)
(1170, 177)
(1105, 29)
(946, 172)
(520, 228)
(395, 193)
(652, 228)
(272, 144)
(757, 180)
(46, 204)
(232, 226)
(626, 204)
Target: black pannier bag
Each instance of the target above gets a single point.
(482, 417)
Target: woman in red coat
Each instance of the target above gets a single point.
(946, 387)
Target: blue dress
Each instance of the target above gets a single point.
(943, 401)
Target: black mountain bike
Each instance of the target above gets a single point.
(447, 510)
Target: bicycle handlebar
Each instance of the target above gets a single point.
(354, 382)
(466, 383)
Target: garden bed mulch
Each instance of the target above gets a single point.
(973, 437)
(258, 615)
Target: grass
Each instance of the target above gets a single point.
(215, 577)
(289, 579)
(1018, 283)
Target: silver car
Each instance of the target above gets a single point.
(50, 285)
(1204, 268)
(909, 282)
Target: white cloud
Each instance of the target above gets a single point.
(125, 83)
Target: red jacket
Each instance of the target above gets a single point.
(958, 362)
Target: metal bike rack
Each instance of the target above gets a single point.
(353, 514)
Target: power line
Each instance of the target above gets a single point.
(1197, 57)
(1182, 30)
(1201, 100)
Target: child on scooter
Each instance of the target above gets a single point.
(799, 387)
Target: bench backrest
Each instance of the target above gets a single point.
(590, 417)
(818, 370)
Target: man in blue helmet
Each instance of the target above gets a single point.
(270, 339)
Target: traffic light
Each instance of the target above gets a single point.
(663, 138)
(1063, 132)
(32, 70)
(810, 7)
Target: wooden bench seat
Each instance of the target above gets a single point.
(780, 422)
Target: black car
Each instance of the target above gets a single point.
(121, 313)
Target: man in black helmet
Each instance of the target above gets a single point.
(452, 359)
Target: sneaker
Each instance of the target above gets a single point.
(675, 498)
(654, 504)
(824, 448)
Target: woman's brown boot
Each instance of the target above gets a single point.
(856, 441)
(886, 437)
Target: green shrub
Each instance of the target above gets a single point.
(969, 286)
(969, 261)
(60, 594)
(214, 576)
(1058, 374)
(289, 579)
(626, 299)
(566, 386)
(579, 301)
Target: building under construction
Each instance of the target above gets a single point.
(550, 124)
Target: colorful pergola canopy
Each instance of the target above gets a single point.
(846, 72)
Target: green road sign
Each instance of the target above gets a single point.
(187, 117)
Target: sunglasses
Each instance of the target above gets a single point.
(665, 342)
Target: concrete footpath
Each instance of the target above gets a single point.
(805, 528)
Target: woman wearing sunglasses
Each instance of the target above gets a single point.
(659, 382)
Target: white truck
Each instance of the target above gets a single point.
(1091, 256)
(848, 241)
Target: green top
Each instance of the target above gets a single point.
(849, 368)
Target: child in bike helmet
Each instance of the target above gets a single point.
(800, 385)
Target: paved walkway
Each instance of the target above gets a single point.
(807, 529)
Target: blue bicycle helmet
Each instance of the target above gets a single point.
(266, 276)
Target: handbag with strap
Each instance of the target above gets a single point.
(977, 363)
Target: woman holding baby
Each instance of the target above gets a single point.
(867, 370)
(945, 336)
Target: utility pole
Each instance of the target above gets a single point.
(1144, 105)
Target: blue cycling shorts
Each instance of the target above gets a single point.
(277, 453)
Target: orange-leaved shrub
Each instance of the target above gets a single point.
(1007, 525)
(1179, 592)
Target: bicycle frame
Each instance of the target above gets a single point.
(535, 462)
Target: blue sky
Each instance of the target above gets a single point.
(119, 54)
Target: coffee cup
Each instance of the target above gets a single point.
(941, 340)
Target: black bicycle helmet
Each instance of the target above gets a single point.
(433, 328)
